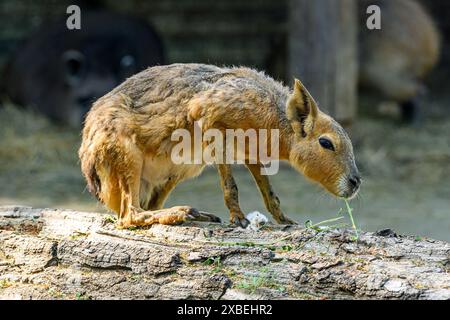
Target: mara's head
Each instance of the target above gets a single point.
(320, 148)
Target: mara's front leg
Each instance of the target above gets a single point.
(231, 196)
(270, 198)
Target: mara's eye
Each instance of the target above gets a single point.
(327, 144)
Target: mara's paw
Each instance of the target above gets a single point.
(170, 216)
(208, 217)
(239, 221)
(192, 214)
(185, 213)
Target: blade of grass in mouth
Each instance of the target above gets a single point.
(350, 213)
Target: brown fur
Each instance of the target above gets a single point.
(126, 147)
(395, 59)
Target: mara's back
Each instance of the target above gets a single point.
(181, 82)
(160, 82)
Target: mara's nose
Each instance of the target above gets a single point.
(355, 181)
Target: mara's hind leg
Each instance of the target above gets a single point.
(128, 172)
(126, 167)
(154, 203)
(271, 200)
(172, 216)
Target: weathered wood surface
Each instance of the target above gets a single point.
(55, 254)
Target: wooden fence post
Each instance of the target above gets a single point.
(323, 53)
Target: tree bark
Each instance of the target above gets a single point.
(323, 53)
(62, 254)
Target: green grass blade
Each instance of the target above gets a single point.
(350, 213)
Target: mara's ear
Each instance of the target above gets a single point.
(301, 109)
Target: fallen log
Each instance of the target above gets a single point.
(63, 254)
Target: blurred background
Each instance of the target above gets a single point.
(389, 87)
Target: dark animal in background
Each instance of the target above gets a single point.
(60, 72)
(395, 60)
